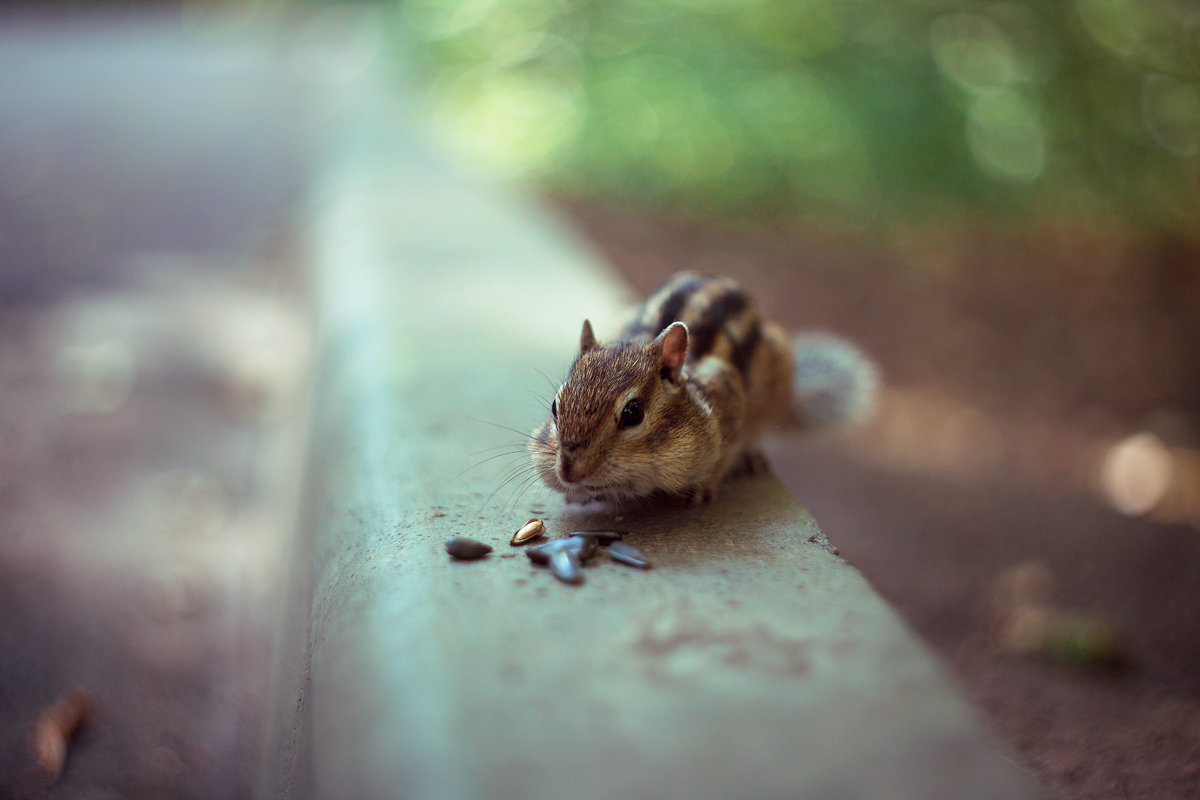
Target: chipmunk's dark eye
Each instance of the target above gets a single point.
(632, 414)
(554, 408)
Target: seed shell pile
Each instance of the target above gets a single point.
(565, 557)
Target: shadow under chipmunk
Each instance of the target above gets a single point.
(736, 527)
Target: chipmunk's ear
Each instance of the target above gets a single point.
(672, 345)
(587, 339)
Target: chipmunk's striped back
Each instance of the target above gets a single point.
(723, 322)
(720, 318)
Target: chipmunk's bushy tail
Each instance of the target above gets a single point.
(834, 385)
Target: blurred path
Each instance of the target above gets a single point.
(153, 388)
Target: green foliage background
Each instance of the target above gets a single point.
(916, 110)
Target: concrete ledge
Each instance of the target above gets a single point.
(750, 662)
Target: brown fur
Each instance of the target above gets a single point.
(702, 415)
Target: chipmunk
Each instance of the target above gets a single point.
(679, 401)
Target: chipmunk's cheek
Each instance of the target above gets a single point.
(602, 478)
(545, 468)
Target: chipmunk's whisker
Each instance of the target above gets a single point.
(514, 469)
(510, 453)
(524, 487)
(510, 429)
(543, 402)
(517, 472)
(497, 447)
(552, 384)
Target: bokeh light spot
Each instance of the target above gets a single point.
(1136, 473)
(972, 51)
(1005, 136)
(513, 120)
(94, 377)
(1119, 25)
(1171, 114)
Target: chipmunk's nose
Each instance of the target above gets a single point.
(569, 470)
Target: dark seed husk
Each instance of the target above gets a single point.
(537, 555)
(628, 554)
(463, 548)
(604, 538)
(566, 567)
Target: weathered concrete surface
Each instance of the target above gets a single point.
(749, 662)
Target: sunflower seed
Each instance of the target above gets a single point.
(582, 547)
(464, 548)
(566, 567)
(604, 538)
(530, 530)
(627, 554)
(538, 555)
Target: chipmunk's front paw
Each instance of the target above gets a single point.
(697, 495)
(750, 464)
(580, 496)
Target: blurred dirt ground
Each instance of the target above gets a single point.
(153, 366)
(152, 446)
(1036, 383)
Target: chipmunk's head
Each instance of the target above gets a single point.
(612, 416)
